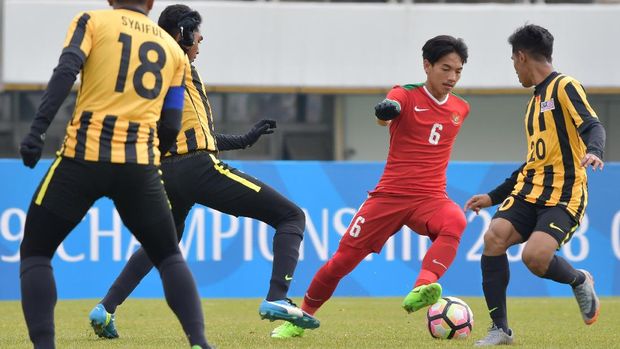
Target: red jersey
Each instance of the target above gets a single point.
(421, 140)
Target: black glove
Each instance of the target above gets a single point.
(387, 110)
(30, 149)
(263, 127)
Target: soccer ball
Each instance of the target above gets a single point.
(450, 318)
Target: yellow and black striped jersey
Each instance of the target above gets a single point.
(552, 174)
(197, 132)
(129, 65)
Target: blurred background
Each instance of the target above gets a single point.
(318, 68)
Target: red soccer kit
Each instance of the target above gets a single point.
(412, 189)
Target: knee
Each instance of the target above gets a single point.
(32, 262)
(157, 254)
(294, 219)
(298, 217)
(457, 225)
(536, 261)
(336, 269)
(343, 262)
(158, 241)
(494, 242)
(31, 247)
(453, 225)
(172, 259)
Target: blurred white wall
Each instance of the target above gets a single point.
(338, 45)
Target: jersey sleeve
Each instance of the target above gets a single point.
(573, 97)
(399, 95)
(590, 129)
(466, 110)
(79, 39)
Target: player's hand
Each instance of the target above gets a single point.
(263, 127)
(592, 160)
(383, 122)
(31, 148)
(386, 110)
(478, 202)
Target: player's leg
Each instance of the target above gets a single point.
(326, 280)
(233, 192)
(500, 235)
(136, 269)
(43, 233)
(57, 207)
(512, 224)
(445, 226)
(139, 265)
(555, 227)
(324, 284)
(289, 221)
(141, 201)
(377, 219)
(374, 223)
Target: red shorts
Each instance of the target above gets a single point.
(381, 216)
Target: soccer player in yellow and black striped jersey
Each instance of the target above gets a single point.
(545, 199)
(128, 109)
(193, 174)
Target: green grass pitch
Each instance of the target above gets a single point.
(345, 323)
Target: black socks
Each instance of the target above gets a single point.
(560, 271)
(134, 271)
(38, 290)
(495, 277)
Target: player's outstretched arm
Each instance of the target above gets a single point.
(233, 142)
(495, 196)
(57, 90)
(477, 202)
(387, 110)
(593, 135)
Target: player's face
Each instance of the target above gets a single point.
(519, 60)
(442, 76)
(194, 50)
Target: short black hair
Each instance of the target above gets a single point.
(533, 39)
(172, 15)
(131, 2)
(439, 46)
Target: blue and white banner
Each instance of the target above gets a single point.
(231, 257)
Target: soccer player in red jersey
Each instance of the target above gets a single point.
(424, 120)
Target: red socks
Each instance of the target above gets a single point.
(327, 278)
(438, 259)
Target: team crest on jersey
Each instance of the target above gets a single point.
(547, 105)
(455, 118)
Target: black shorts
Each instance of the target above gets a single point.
(527, 218)
(71, 187)
(201, 178)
